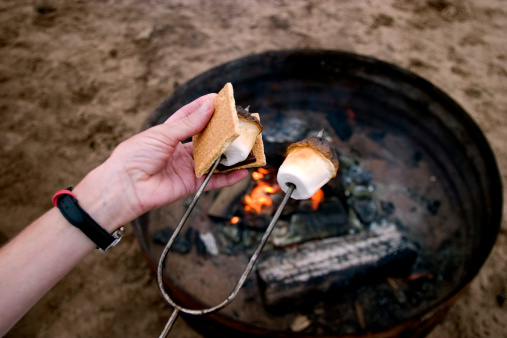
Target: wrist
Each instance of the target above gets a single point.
(100, 194)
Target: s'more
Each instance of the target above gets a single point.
(233, 134)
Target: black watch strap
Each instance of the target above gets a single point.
(79, 218)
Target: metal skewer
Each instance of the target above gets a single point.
(246, 272)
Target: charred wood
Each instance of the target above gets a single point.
(182, 244)
(331, 220)
(288, 276)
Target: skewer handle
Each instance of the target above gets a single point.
(169, 244)
(169, 323)
(261, 245)
(246, 272)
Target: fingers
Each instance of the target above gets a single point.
(190, 121)
(189, 148)
(227, 179)
(190, 108)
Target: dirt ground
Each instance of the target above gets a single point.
(78, 77)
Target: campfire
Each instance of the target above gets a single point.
(384, 248)
(331, 239)
(346, 236)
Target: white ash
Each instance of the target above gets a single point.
(210, 243)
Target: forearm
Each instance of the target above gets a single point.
(44, 252)
(34, 261)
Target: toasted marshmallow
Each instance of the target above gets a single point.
(309, 165)
(249, 129)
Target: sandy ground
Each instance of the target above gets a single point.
(78, 77)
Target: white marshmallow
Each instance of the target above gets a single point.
(239, 149)
(307, 170)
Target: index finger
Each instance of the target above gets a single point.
(190, 108)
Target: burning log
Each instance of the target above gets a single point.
(288, 276)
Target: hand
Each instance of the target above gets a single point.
(144, 172)
(150, 170)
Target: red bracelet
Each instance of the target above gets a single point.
(60, 193)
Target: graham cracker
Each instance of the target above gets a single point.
(218, 135)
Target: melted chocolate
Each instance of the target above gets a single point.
(249, 159)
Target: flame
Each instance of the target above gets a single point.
(317, 198)
(257, 176)
(259, 197)
(260, 174)
(234, 220)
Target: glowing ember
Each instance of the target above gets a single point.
(263, 171)
(234, 220)
(317, 198)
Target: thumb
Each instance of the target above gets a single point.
(191, 124)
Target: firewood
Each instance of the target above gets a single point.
(286, 276)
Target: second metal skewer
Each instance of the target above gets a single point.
(246, 272)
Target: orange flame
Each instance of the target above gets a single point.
(257, 176)
(259, 197)
(317, 198)
(234, 220)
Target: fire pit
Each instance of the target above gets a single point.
(384, 248)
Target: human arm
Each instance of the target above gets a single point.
(147, 171)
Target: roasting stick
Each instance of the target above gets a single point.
(246, 272)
